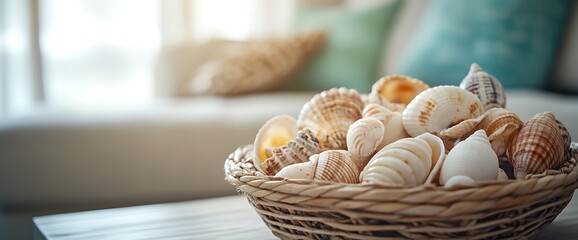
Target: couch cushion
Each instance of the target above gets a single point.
(351, 55)
(514, 40)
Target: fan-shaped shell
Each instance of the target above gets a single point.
(396, 89)
(499, 123)
(329, 114)
(330, 165)
(406, 162)
(273, 134)
(392, 122)
(363, 137)
(296, 150)
(438, 108)
(488, 89)
(537, 147)
(473, 158)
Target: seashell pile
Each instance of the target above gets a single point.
(405, 133)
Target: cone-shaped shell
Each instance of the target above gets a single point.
(537, 147)
(330, 165)
(396, 89)
(406, 162)
(273, 134)
(488, 89)
(363, 137)
(438, 108)
(329, 114)
(473, 158)
(500, 125)
(296, 150)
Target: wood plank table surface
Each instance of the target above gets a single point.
(217, 218)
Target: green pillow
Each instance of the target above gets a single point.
(354, 47)
(515, 40)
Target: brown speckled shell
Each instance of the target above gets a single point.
(538, 146)
(488, 89)
(329, 114)
(296, 150)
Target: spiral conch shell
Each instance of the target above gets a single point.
(296, 150)
(470, 160)
(329, 114)
(406, 162)
(538, 146)
(273, 134)
(438, 108)
(363, 137)
(488, 89)
(330, 165)
(499, 123)
(396, 89)
(391, 120)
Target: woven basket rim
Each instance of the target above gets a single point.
(241, 173)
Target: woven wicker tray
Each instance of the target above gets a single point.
(304, 209)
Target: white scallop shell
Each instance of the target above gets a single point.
(363, 137)
(273, 134)
(330, 165)
(392, 122)
(438, 108)
(406, 162)
(329, 114)
(473, 158)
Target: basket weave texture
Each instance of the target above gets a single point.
(305, 209)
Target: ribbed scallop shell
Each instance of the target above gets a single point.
(538, 146)
(330, 165)
(406, 162)
(363, 137)
(500, 125)
(273, 134)
(296, 150)
(438, 108)
(392, 122)
(473, 158)
(488, 89)
(396, 89)
(329, 114)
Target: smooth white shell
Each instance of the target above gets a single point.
(438, 108)
(473, 158)
(304, 170)
(459, 180)
(392, 122)
(273, 134)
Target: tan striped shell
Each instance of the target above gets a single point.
(500, 125)
(537, 147)
(396, 89)
(406, 162)
(438, 108)
(329, 114)
(488, 89)
(363, 137)
(330, 165)
(567, 140)
(296, 150)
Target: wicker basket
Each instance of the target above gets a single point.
(303, 209)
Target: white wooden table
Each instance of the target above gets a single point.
(217, 218)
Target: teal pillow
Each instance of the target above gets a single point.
(354, 47)
(515, 40)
